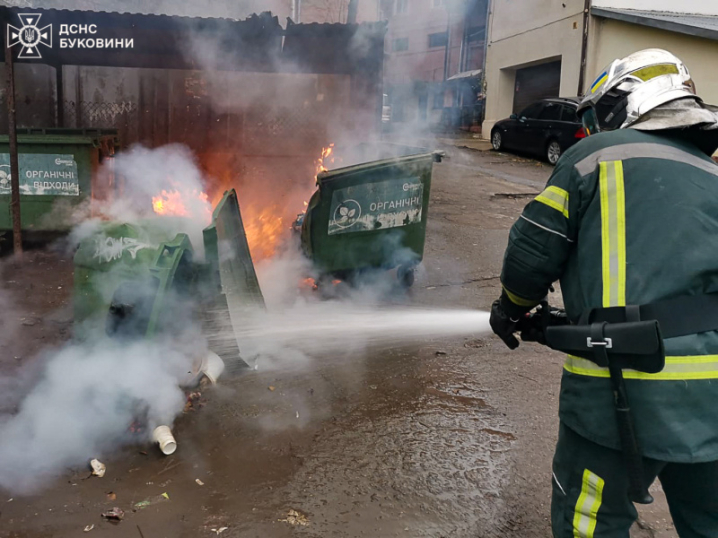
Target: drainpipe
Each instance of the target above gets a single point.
(487, 32)
(352, 11)
(14, 166)
(447, 52)
(584, 47)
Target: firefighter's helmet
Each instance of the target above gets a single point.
(630, 88)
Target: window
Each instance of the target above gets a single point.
(551, 112)
(476, 33)
(532, 111)
(402, 6)
(569, 114)
(400, 45)
(437, 40)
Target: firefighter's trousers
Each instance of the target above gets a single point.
(590, 486)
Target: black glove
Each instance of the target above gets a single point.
(503, 324)
(533, 326)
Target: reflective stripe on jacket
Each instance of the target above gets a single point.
(629, 218)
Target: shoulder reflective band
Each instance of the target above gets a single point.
(556, 198)
(613, 233)
(677, 369)
(584, 517)
(645, 150)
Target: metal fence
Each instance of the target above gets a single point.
(120, 116)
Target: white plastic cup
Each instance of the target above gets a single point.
(163, 436)
(212, 367)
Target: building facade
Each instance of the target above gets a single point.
(332, 11)
(555, 48)
(428, 43)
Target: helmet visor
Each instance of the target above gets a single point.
(590, 121)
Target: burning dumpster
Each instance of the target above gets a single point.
(143, 279)
(122, 273)
(56, 165)
(371, 215)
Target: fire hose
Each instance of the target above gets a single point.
(637, 345)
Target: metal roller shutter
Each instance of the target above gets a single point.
(536, 82)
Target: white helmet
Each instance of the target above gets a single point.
(630, 88)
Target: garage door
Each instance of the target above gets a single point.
(537, 82)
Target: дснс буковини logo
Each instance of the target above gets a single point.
(29, 36)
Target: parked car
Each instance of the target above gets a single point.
(546, 128)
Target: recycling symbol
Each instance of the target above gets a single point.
(347, 213)
(4, 177)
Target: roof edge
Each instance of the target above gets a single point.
(642, 20)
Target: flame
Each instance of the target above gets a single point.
(326, 153)
(264, 230)
(309, 283)
(193, 204)
(267, 218)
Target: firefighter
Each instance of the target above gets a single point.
(630, 217)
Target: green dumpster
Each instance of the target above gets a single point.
(123, 273)
(143, 279)
(371, 215)
(56, 165)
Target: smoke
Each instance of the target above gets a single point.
(93, 389)
(79, 400)
(83, 405)
(168, 178)
(107, 388)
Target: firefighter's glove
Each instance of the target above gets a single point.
(503, 324)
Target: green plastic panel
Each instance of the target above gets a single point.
(371, 215)
(228, 255)
(55, 176)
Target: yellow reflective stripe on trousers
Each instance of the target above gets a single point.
(613, 233)
(584, 518)
(676, 369)
(556, 198)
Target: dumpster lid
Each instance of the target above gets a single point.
(62, 136)
(227, 251)
(329, 175)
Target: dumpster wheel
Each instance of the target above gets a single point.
(405, 275)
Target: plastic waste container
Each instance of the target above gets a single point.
(142, 279)
(56, 165)
(371, 215)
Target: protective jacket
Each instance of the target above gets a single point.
(629, 218)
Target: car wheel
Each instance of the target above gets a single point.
(497, 141)
(553, 152)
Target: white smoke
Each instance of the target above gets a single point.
(83, 405)
(139, 175)
(90, 392)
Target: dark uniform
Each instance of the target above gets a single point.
(628, 218)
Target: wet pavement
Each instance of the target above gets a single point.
(444, 438)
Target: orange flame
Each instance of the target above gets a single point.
(265, 219)
(264, 230)
(326, 153)
(193, 204)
